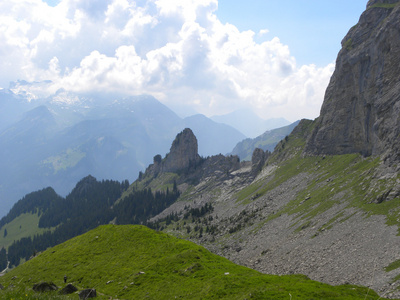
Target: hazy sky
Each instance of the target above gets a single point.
(207, 56)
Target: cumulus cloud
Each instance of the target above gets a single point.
(263, 32)
(178, 51)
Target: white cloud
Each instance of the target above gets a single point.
(263, 32)
(176, 50)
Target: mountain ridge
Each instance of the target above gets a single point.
(249, 123)
(266, 141)
(56, 143)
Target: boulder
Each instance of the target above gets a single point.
(68, 289)
(88, 293)
(44, 287)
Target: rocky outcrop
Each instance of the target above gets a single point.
(183, 155)
(258, 159)
(68, 289)
(184, 160)
(88, 293)
(361, 109)
(219, 165)
(44, 287)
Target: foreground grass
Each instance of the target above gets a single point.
(134, 262)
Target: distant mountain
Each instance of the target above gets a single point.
(215, 138)
(12, 108)
(267, 142)
(247, 122)
(58, 140)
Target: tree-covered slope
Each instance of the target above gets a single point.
(134, 262)
(43, 219)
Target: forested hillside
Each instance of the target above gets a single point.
(90, 204)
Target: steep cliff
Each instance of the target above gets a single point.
(183, 153)
(184, 160)
(361, 108)
(182, 156)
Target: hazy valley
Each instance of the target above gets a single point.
(58, 140)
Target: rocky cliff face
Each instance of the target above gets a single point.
(258, 159)
(183, 153)
(361, 109)
(182, 156)
(184, 160)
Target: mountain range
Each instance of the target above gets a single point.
(58, 140)
(249, 123)
(266, 141)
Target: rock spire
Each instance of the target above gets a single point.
(182, 156)
(183, 153)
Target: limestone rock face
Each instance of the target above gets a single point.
(183, 153)
(184, 159)
(361, 109)
(182, 156)
(258, 159)
(219, 165)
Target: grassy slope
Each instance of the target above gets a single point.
(25, 225)
(173, 268)
(351, 175)
(338, 177)
(68, 159)
(384, 5)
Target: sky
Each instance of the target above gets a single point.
(195, 56)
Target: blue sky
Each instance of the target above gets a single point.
(196, 56)
(313, 29)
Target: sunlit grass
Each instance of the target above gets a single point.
(134, 262)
